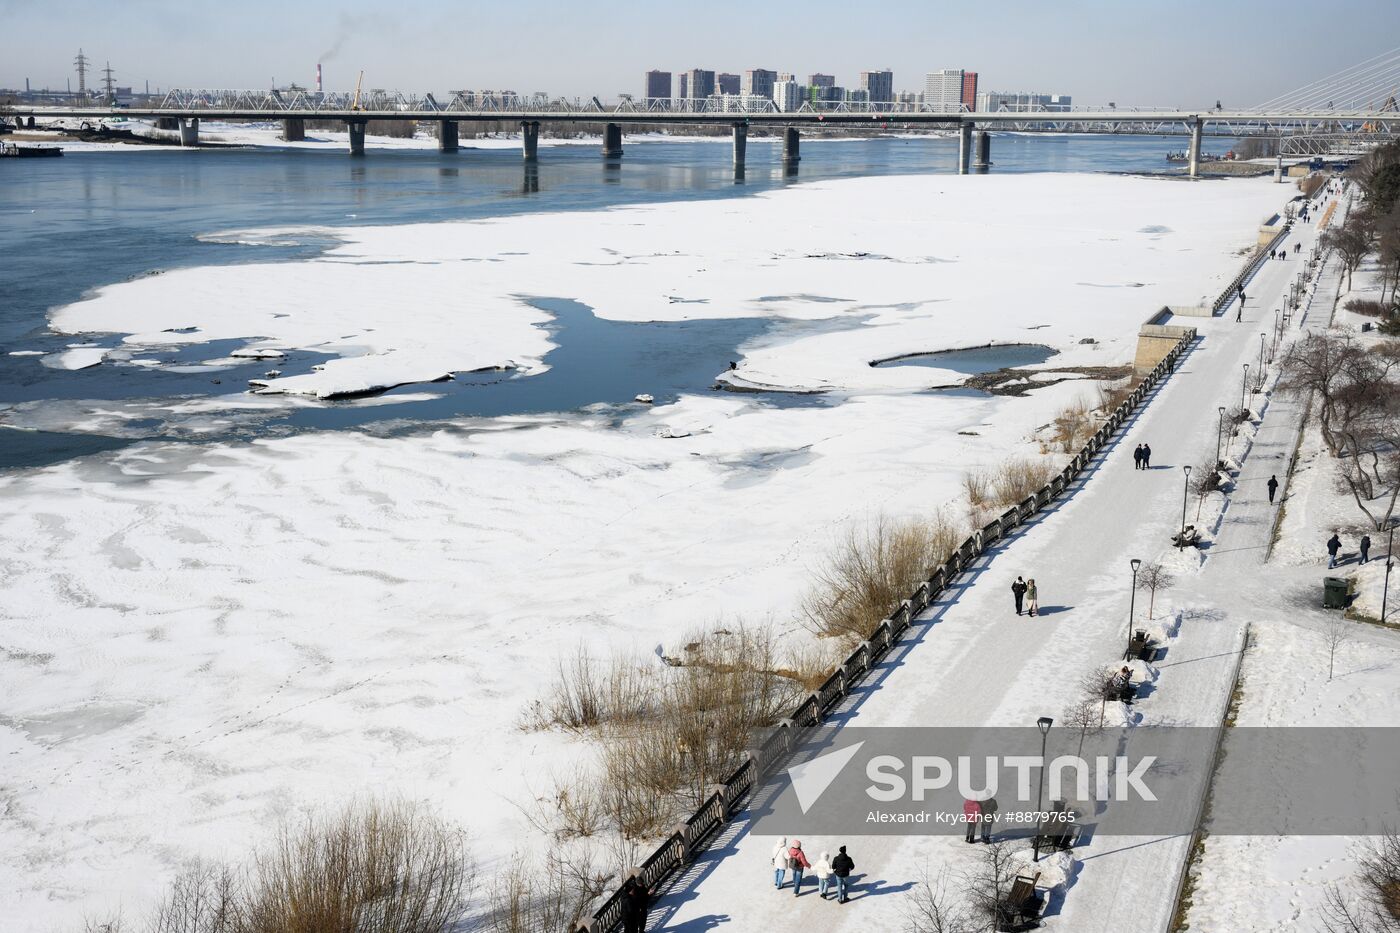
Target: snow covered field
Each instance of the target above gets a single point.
(200, 639)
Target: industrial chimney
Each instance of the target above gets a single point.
(318, 77)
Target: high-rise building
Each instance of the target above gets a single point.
(878, 85)
(943, 90)
(683, 85)
(788, 95)
(728, 84)
(702, 84)
(658, 85)
(969, 90)
(759, 82)
(1021, 101)
(786, 76)
(821, 80)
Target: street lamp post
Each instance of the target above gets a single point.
(1389, 561)
(1132, 606)
(1219, 431)
(1261, 361)
(1186, 488)
(1244, 387)
(1043, 724)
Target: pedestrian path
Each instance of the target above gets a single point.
(971, 661)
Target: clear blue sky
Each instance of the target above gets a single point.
(1185, 53)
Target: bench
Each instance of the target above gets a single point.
(1143, 647)
(1059, 832)
(1022, 907)
(1191, 535)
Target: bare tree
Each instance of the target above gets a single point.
(1154, 577)
(1086, 715)
(1336, 631)
(929, 908)
(1352, 241)
(988, 883)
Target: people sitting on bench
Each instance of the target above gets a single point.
(1121, 686)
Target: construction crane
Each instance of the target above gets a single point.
(355, 104)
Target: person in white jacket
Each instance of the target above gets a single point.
(779, 861)
(822, 869)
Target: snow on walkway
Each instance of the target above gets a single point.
(972, 661)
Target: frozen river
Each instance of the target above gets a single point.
(99, 218)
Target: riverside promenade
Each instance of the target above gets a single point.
(970, 661)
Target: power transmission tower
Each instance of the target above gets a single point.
(82, 62)
(109, 85)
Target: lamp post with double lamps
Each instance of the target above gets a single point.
(1043, 724)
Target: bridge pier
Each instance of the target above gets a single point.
(791, 141)
(741, 142)
(189, 131)
(1194, 155)
(29, 125)
(983, 159)
(612, 141)
(530, 139)
(964, 147)
(294, 131)
(531, 184)
(447, 136)
(357, 136)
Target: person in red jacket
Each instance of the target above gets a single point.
(797, 863)
(972, 813)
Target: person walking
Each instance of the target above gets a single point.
(823, 872)
(797, 864)
(1365, 548)
(1146, 457)
(972, 815)
(841, 867)
(636, 902)
(1137, 457)
(1334, 544)
(1032, 598)
(1018, 593)
(989, 813)
(1273, 488)
(779, 862)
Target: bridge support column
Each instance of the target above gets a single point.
(791, 141)
(983, 159)
(357, 137)
(1194, 155)
(964, 147)
(530, 139)
(189, 131)
(30, 123)
(447, 136)
(612, 141)
(293, 131)
(741, 142)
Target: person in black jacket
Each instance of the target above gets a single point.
(1334, 544)
(1273, 488)
(1018, 593)
(841, 867)
(636, 900)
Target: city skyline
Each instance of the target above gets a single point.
(1093, 50)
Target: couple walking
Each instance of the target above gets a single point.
(832, 873)
(1142, 457)
(1025, 591)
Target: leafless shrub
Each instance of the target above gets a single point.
(590, 693)
(375, 866)
(386, 867)
(544, 898)
(1086, 715)
(1367, 306)
(202, 899)
(930, 908)
(1336, 632)
(1113, 394)
(1073, 426)
(988, 883)
(873, 569)
(1095, 690)
(1018, 479)
(1376, 907)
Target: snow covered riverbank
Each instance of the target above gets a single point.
(201, 639)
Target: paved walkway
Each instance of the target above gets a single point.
(971, 661)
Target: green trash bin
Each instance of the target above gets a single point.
(1335, 591)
